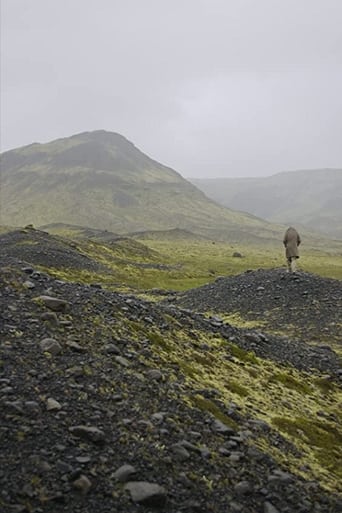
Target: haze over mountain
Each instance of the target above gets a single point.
(308, 198)
(101, 180)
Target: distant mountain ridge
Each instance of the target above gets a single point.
(101, 180)
(308, 198)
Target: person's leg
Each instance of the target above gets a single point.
(289, 264)
(293, 264)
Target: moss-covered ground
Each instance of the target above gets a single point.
(186, 264)
(303, 408)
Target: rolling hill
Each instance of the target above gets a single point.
(101, 180)
(311, 199)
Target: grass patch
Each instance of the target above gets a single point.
(290, 382)
(237, 388)
(325, 385)
(208, 406)
(160, 341)
(242, 355)
(324, 439)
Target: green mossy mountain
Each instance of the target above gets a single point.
(101, 180)
(308, 198)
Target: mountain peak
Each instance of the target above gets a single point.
(101, 136)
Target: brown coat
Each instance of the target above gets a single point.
(291, 242)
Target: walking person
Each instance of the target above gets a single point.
(291, 242)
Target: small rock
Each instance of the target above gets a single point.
(50, 345)
(83, 484)
(180, 452)
(29, 284)
(123, 473)
(75, 346)
(54, 303)
(148, 494)
(155, 375)
(32, 407)
(89, 433)
(243, 488)
(52, 404)
(122, 361)
(27, 270)
(49, 317)
(219, 427)
(269, 508)
(83, 459)
(111, 349)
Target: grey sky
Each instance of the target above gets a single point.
(208, 87)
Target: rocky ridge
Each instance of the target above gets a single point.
(305, 306)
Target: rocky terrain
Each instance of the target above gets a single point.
(111, 403)
(300, 304)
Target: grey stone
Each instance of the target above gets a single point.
(89, 433)
(50, 345)
(54, 303)
(29, 284)
(83, 484)
(180, 452)
(269, 508)
(75, 346)
(148, 494)
(122, 361)
(243, 488)
(124, 473)
(49, 317)
(154, 375)
(52, 404)
(219, 427)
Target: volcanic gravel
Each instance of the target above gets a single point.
(306, 306)
(91, 422)
(39, 248)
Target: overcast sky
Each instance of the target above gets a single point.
(209, 87)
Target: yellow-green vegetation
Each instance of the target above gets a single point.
(208, 406)
(323, 439)
(290, 401)
(324, 263)
(184, 264)
(214, 259)
(242, 355)
(290, 382)
(236, 319)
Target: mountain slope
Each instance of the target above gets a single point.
(311, 198)
(101, 180)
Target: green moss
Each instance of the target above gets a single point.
(242, 355)
(188, 369)
(236, 388)
(204, 359)
(160, 341)
(236, 319)
(290, 382)
(325, 385)
(27, 243)
(208, 406)
(135, 327)
(87, 370)
(253, 372)
(324, 439)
